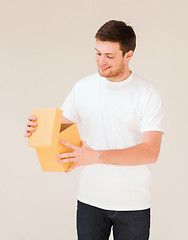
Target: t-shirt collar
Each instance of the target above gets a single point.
(116, 84)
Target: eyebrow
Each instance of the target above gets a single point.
(105, 53)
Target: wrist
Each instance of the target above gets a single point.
(98, 156)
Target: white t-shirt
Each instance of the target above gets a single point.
(112, 115)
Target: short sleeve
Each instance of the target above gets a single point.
(69, 107)
(152, 113)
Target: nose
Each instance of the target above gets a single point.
(102, 60)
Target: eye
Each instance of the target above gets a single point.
(99, 54)
(109, 57)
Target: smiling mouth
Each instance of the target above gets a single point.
(104, 68)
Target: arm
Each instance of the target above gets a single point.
(143, 153)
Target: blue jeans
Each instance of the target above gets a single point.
(95, 223)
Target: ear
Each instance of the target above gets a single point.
(128, 55)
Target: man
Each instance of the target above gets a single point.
(119, 117)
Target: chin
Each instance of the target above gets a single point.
(105, 74)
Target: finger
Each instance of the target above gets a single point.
(67, 160)
(32, 118)
(27, 134)
(69, 145)
(30, 123)
(71, 168)
(65, 155)
(29, 129)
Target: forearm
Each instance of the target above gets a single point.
(136, 155)
(145, 153)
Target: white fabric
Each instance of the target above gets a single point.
(112, 115)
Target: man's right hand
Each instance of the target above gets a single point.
(31, 126)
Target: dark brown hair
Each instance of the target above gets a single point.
(118, 31)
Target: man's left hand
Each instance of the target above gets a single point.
(81, 156)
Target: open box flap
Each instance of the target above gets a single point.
(47, 132)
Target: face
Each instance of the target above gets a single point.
(110, 61)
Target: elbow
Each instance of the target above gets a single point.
(153, 154)
(154, 157)
(155, 160)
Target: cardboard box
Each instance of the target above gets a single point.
(47, 136)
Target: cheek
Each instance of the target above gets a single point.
(112, 63)
(118, 64)
(97, 59)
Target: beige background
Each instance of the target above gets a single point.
(45, 47)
